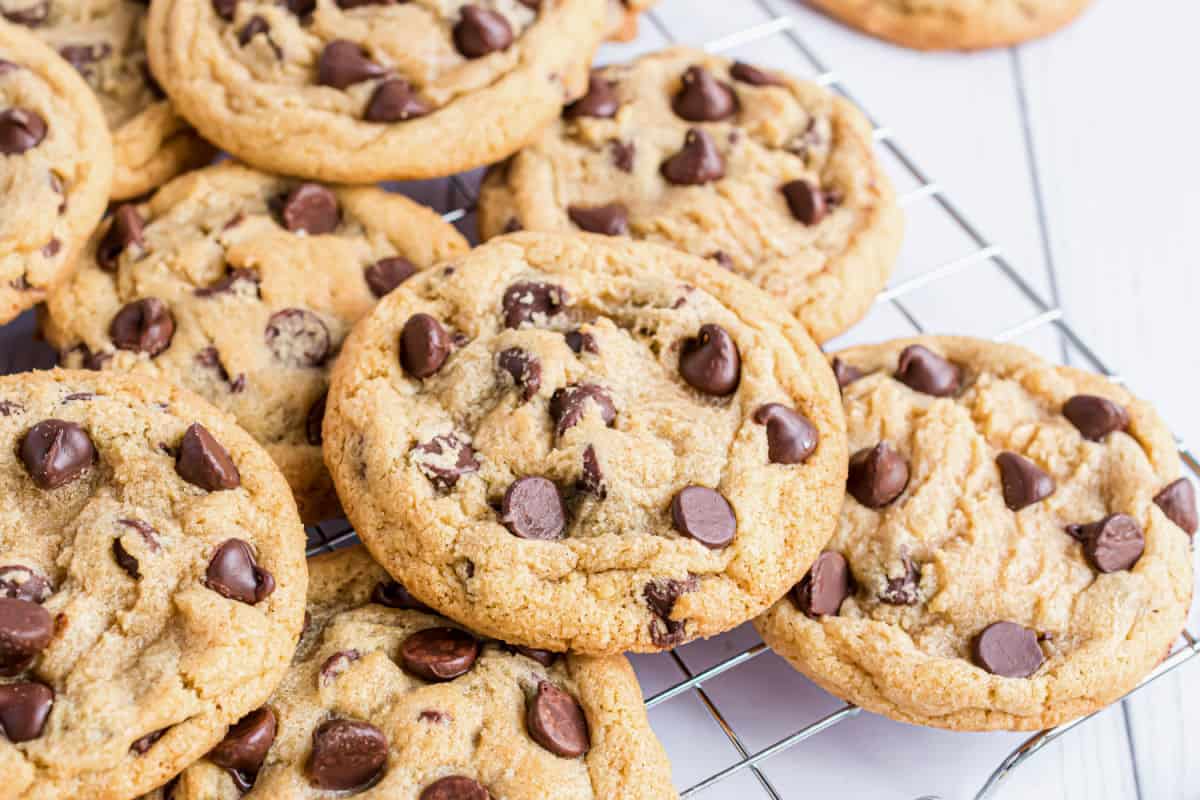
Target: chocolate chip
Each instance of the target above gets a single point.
(301, 8)
(56, 452)
(846, 374)
(710, 362)
(203, 462)
(556, 721)
(1024, 482)
(533, 302)
(24, 708)
(297, 337)
(533, 509)
(610, 220)
(622, 154)
(424, 346)
(925, 371)
(393, 594)
(20, 129)
(434, 716)
(23, 583)
(314, 421)
(481, 31)
(698, 162)
(444, 459)
(229, 283)
(902, 590)
(346, 755)
(591, 480)
(125, 560)
(80, 56)
(439, 654)
(343, 63)
(524, 368)
(791, 438)
(143, 745)
(580, 341)
(143, 326)
(661, 595)
(805, 201)
(1095, 417)
(746, 73)
(245, 745)
(51, 248)
(125, 229)
(145, 530)
(455, 787)
(543, 657)
(1178, 502)
(877, 475)
(386, 274)
(1008, 650)
(25, 630)
(828, 582)
(395, 100)
(1111, 544)
(702, 98)
(234, 573)
(225, 9)
(704, 515)
(338, 663)
(600, 100)
(310, 208)
(7, 66)
(30, 16)
(569, 404)
(8, 408)
(254, 27)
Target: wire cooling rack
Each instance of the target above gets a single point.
(903, 308)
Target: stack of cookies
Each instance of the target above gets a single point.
(609, 428)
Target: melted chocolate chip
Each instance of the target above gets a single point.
(125, 560)
(524, 368)
(315, 420)
(1007, 649)
(543, 657)
(395, 100)
(705, 515)
(143, 745)
(698, 162)
(346, 755)
(481, 31)
(532, 302)
(30, 16)
(622, 154)
(747, 73)
(234, 573)
(609, 220)
(1178, 502)
(424, 346)
(23, 583)
(828, 582)
(143, 326)
(439, 654)
(702, 98)
(845, 374)
(877, 475)
(923, 370)
(533, 509)
(591, 479)
(600, 101)
(581, 341)
(81, 56)
(1111, 544)
(225, 9)
(338, 663)
(1095, 417)
(343, 63)
(455, 787)
(902, 589)
(791, 438)
(1023, 482)
(298, 337)
(310, 208)
(56, 452)
(710, 362)
(805, 200)
(24, 708)
(20, 129)
(393, 594)
(245, 745)
(25, 630)
(386, 274)
(125, 230)
(444, 459)
(229, 283)
(203, 462)
(661, 595)
(569, 405)
(555, 721)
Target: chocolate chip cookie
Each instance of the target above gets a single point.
(241, 286)
(623, 18)
(358, 91)
(387, 699)
(152, 582)
(770, 177)
(55, 166)
(1014, 546)
(955, 24)
(584, 443)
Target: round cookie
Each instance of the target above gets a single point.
(105, 42)
(588, 444)
(387, 700)
(152, 582)
(241, 286)
(1013, 549)
(354, 91)
(55, 169)
(955, 24)
(771, 177)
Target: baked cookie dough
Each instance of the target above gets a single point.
(955, 24)
(358, 91)
(387, 700)
(589, 444)
(768, 176)
(152, 582)
(105, 42)
(623, 18)
(1013, 550)
(241, 286)
(56, 166)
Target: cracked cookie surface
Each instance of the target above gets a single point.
(359, 91)
(1013, 549)
(427, 711)
(576, 442)
(152, 582)
(55, 169)
(241, 286)
(955, 24)
(770, 177)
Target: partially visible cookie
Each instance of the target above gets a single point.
(105, 42)
(589, 444)
(241, 287)
(354, 91)
(1014, 546)
(152, 582)
(56, 167)
(387, 700)
(955, 24)
(623, 18)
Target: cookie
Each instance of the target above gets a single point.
(152, 582)
(241, 286)
(386, 699)
(56, 169)
(623, 18)
(589, 444)
(770, 177)
(105, 42)
(356, 91)
(1013, 550)
(955, 24)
